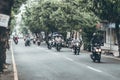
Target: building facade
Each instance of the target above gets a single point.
(110, 39)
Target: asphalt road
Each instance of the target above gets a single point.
(39, 63)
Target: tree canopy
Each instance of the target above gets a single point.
(60, 16)
(107, 10)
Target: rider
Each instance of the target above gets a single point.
(15, 38)
(95, 40)
(58, 38)
(27, 40)
(75, 40)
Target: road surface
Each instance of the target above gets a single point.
(39, 63)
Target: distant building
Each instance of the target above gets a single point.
(110, 39)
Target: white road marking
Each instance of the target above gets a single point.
(14, 64)
(68, 58)
(97, 70)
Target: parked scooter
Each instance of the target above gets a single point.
(96, 53)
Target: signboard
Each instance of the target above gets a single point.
(4, 19)
(112, 25)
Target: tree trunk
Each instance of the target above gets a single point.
(2, 48)
(118, 35)
(5, 8)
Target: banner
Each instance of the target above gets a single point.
(4, 19)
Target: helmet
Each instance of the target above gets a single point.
(94, 34)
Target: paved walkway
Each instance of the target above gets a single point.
(8, 73)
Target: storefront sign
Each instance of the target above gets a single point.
(4, 19)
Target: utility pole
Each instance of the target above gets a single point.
(5, 13)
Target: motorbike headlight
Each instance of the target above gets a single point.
(97, 50)
(77, 44)
(100, 50)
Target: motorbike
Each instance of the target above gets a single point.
(34, 41)
(49, 44)
(58, 46)
(76, 48)
(16, 41)
(96, 53)
(38, 42)
(27, 43)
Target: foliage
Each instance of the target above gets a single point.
(107, 10)
(17, 4)
(58, 16)
(88, 34)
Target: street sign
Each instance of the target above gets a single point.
(4, 19)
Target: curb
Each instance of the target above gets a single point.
(13, 63)
(8, 73)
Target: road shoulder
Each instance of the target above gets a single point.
(8, 73)
(107, 56)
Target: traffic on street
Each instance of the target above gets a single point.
(39, 63)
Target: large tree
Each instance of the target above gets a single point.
(5, 11)
(60, 16)
(107, 10)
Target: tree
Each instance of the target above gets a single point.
(5, 9)
(67, 15)
(107, 10)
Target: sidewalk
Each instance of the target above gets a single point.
(8, 73)
(113, 49)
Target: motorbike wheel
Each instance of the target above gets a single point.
(16, 42)
(91, 56)
(38, 43)
(94, 60)
(75, 52)
(58, 49)
(99, 61)
(25, 44)
(33, 42)
(78, 52)
(49, 47)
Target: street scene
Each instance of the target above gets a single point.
(59, 40)
(39, 63)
